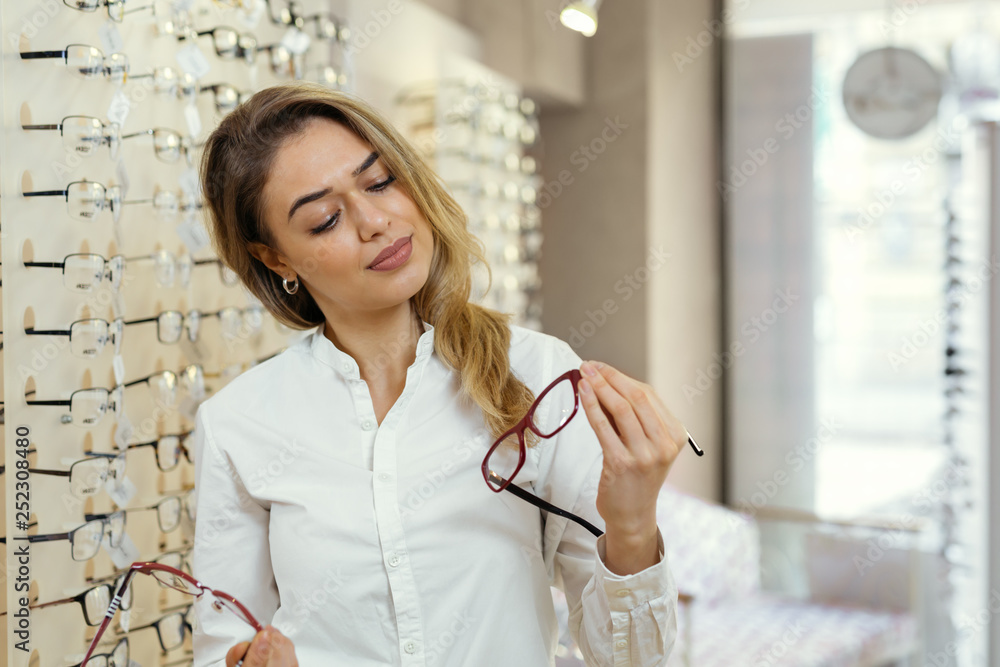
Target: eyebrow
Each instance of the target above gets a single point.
(319, 194)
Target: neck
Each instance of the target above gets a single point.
(384, 344)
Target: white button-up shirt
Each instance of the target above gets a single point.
(381, 544)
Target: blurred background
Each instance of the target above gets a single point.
(781, 215)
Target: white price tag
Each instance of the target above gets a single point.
(111, 39)
(122, 172)
(119, 108)
(116, 232)
(193, 61)
(118, 364)
(194, 235)
(189, 181)
(118, 304)
(124, 618)
(251, 13)
(295, 41)
(120, 490)
(193, 119)
(124, 554)
(252, 75)
(123, 434)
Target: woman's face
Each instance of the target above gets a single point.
(332, 208)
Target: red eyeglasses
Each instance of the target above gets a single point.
(555, 406)
(181, 581)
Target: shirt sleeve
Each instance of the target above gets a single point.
(616, 620)
(231, 550)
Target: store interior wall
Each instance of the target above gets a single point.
(630, 266)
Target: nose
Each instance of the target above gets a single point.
(370, 218)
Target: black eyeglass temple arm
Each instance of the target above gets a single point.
(549, 507)
(44, 193)
(32, 55)
(42, 332)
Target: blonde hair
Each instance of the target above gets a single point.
(235, 166)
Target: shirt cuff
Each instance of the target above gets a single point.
(625, 592)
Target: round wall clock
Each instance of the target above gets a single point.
(891, 93)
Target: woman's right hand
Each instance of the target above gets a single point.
(269, 648)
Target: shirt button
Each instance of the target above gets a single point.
(393, 562)
(383, 477)
(621, 643)
(346, 367)
(368, 424)
(624, 592)
(410, 646)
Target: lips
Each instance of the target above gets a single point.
(390, 250)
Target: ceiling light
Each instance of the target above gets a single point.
(581, 16)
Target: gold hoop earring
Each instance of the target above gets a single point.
(290, 288)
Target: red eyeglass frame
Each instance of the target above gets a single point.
(526, 422)
(149, 568)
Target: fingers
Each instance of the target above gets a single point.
(236, 653)
(614, 450)
(626, 401)
(259, 650)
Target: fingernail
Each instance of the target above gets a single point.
(598, 364)
(584, 386)
(588, 368)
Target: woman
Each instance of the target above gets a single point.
(340, 494)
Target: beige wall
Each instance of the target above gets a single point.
(684, 299)
(651, 191)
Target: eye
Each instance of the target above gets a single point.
(382, 185)
(327, 224)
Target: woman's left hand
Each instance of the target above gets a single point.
(641, 440)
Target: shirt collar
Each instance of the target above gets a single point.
(325, 351)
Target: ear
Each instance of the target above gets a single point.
(273, 260)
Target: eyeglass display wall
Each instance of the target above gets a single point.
(481, 136)
(117, 318)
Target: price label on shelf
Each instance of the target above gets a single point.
(119, 108)
(189, 182)
(124, 554)
(295, 41)
(193, 119)
(123, 434)
(194, 235)
(251, 13)
(111, 39)
(120, 490)
(193, 61)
